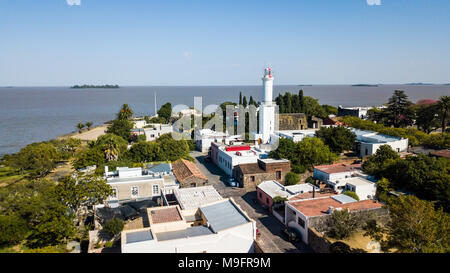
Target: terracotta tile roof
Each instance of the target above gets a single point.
(167, 215)
(183, 169)
(250, 168)
(441, 153)
(337, 168)
(316, 207)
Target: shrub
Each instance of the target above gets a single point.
(109, 244)
(352, 194)
(342, 224)
(299, 169)
(292, 178)
(13, 229)
(113, 226)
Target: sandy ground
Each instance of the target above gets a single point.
(92, 134)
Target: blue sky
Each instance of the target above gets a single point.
(194, 42)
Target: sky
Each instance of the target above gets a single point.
(206, 42)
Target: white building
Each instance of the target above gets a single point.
(193, 198)
(228, 157)
(305, 213)
(364, 188)
(137, 184)
(334, 174)
(294, 135)
(204, 138)
(156, 130)
(369, 142)
(225, 228)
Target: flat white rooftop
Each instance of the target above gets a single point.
(193, 198)
(357, 181)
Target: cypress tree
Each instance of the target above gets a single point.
(244, 102)
(288, 102)
(301, 101)
(240, 98)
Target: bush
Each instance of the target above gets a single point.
(298, 169)
(13, 229)
(109, 244)
(352, 194)
(292, 178)
(113, 227)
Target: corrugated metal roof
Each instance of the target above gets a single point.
(184, 233)
(223, 215)
(343, 199)
(139, 236)
(159, 168)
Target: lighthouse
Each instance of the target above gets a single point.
(267, 110)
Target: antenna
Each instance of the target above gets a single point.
(155, 105)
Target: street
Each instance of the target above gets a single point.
(271, 239)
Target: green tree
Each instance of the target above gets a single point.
(112, 146)
(144, 152)
(280, 102)
(427, 117)
(13, 230)
(113, 227)
(38, 159)
(291, 178)
(352, 194)
(416, 227)
(397, 107)
(89, 125)
(170, 149)
(288, 102)
(89, 157)
(244, 102)
(311, 107)
(165, 111)
(444, 107)
(339, 139)
(80, 127)
(330, 110)
(438, 141)
(301, 101)
(240, 98)
(378, 163)
(125, 113)
(342, 224)
(121, 127)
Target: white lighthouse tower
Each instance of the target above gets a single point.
(267, 109)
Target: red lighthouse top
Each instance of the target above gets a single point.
(268, 72)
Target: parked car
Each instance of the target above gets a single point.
(291, 233)
(232, 182)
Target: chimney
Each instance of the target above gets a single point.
(314, 192)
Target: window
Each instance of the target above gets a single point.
(155, 189)
(301, 222)
(193, 185)
(267, 201)
(134, 192)
(367, 151)
(260, 195)
(252, 178)
(114, 194)
(278, 174)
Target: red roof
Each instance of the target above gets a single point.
(337, 168)
(316, 207)
(237, 148)
(166, 215)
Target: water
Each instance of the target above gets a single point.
(33, 114)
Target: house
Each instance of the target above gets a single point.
(252, 174)
(227, 157)
(268, 190)
(305, 214)
(204, 138)
(224, 228)
(333, 173)
(136, 184)
(153, 131)
(193, 198)
(293, 121)
(294, 135)
(188, 174)
(369, 142)
(364, 188)
(360, 112)
(332, 120)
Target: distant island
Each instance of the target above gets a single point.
(419, 83)
(85, 86)
(305, 85)
(365, 85)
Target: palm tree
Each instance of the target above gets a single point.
(89, 125)
(444, 107)
(125, 112)
(80, 127)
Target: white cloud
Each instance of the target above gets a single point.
(374, 2)
(73, 2)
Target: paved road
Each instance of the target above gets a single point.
(271, 240)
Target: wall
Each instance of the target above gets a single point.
(264, 199)
(294, 121)
(193, 180)
(145, 189)
(317, 242)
